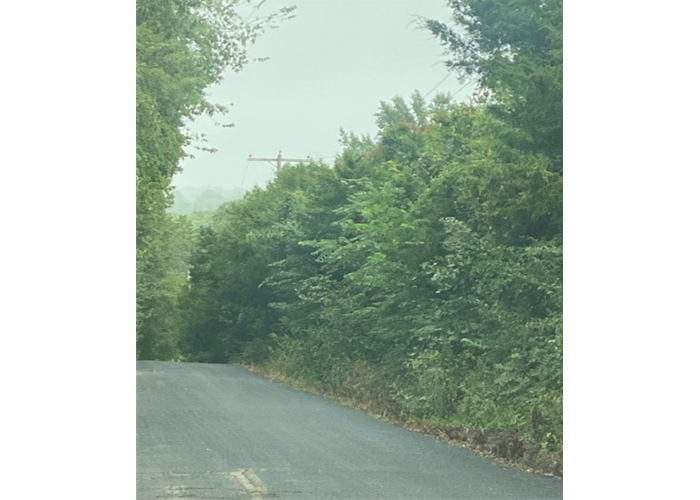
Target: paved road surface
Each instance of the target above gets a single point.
(217, 431)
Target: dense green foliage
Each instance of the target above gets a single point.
(182, 46)
(187, 200)
(428, 262)
(516, 49)
(426, 267)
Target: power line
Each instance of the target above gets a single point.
(470, 82)
(298, 156)
(313, 157)
(245, 172)
(279, 160)
(439, 83)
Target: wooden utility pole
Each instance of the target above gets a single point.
(281, 160)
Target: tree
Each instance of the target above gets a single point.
(515, 49)
(251, 259)
(425, 268)
(182, 47)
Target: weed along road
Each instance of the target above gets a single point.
(217, 431)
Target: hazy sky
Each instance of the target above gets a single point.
(329, 68)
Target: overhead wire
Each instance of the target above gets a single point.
(438, 84)
(470, 82)
(245, 172)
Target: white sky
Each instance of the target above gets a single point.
(329, 68)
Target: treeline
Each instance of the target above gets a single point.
(182, 47)
(187, 200)
(423, 270)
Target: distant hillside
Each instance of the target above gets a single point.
(190, 199)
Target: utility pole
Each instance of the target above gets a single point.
(279, 160)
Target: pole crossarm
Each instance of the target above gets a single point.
(281, 160)
(285, 160)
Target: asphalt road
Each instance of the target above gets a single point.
(217, 431)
